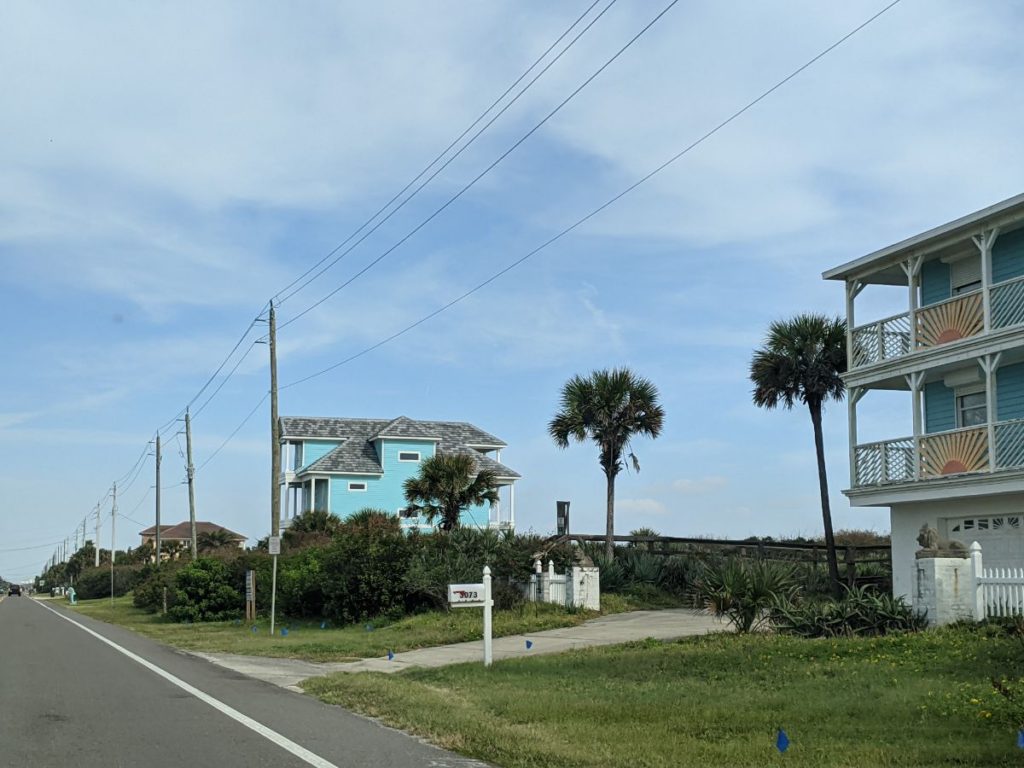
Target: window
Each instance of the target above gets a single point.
(970, 408)
(408, 455)
(354, 486)
(965, 275)
(986, 524)
(297, 461)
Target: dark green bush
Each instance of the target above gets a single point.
(149, 593)
(95, 582)
(861, 611)
(640, 567)
(204, 592)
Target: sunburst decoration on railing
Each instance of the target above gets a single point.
(950, 321)
(952, 453)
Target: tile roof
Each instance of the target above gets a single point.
(357, 455)
(182, 531)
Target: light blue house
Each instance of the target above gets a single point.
(345, 465)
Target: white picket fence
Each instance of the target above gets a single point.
(1002, 591)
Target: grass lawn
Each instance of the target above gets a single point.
(306, 640)
(912, 700)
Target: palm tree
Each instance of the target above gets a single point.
(316, 521)
(447, 484)
(609, 407)
(802, 360)
(207, 541)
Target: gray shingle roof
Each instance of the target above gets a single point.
(405, 427)
(357, 455)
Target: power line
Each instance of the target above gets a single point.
(38, 546)
(445, 151)
(235, 432)
(602, 207)
(223, 382)
(486, 170)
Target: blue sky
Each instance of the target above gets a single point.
(168, 168)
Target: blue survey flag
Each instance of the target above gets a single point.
(391, 655)
(323, 625)
(254, 628)
(529, 644)
(1020, 739)
(782, 741)
(284, 631)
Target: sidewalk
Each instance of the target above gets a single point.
(606, 630)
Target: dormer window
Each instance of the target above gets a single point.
(408, 455)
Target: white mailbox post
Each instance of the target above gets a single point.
(476, 596)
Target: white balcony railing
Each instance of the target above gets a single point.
(942, 454)
(1008, 303)
(881, 340)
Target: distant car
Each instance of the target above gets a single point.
(15, 589)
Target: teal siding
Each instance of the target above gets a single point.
(1010, 392)
(386, 491)
(1008, 256)
(316, 449)
(934, 282)
(939, 408)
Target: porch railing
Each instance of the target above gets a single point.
(882, 340)
(950, 320)
(954, 452)
(889, 461)
(1008, 303)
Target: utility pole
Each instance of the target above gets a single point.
(191, 484)
(97, 535)
(113, 527)
(275, 441)
(113, 545)
(158, 499)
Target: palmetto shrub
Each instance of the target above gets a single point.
(641, 567)
(744, 591)
(860, 611)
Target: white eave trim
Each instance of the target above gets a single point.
(1010, 208)
(935, 489)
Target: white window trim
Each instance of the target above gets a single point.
(409, 461)
(967, 389)
(357, 482)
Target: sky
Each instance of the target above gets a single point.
(168, 168)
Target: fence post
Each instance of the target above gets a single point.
(851, 568)
(978, 601)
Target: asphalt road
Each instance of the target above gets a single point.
(69, 698)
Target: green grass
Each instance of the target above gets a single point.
(912, 700)
(307, 641)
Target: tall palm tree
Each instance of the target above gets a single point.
(608, 407)
(802, 361)
(447, 484)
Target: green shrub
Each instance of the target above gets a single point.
(744, 591)
(679, 574)
(149, 593)
(95, 582)
(641, 567)
(861, 611)
(204, 592)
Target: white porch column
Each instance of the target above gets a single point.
(853, 289)
(512, 506)
(914, 381)
(989, 365)
(984, 243)
(912, 269)
(852, 398)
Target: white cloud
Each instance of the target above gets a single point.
(699, 485)
(641, 507)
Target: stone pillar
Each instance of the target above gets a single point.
(944, 587)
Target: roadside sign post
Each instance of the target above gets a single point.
(476, 596)
(274, 546)
(250, 596)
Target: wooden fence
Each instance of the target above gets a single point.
(850, 555)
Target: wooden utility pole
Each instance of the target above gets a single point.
(158, 498)
(191, 485)
(275, 441)
(113, 543)
(97, 535)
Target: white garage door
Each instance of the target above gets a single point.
(1001, 538)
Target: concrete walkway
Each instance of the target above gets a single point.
(606, 630)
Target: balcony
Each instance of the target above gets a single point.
(940, 454)
(960, 317)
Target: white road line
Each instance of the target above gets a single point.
(271, 735)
